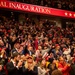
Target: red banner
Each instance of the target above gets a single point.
(36, 9)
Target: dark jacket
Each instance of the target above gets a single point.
(2, 72)
(31, 72)
(72, 71)
(13, 70)
(26, 51)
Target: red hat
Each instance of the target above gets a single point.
(56, 45)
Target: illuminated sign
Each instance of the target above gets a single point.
(36, 9)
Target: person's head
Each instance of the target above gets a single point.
(2, 51)
(21, 62)
(20, 49)
(29, 63)
(39, 48)
(1, 42)
(64, 48)
(17, 45)
(57, 47)
(29, 59)
(46, 39)
(16, 56)
(54, 61)
(30, 48)
(23, 57)
(13, 37)
(29, 36)
(53, 46)
(61, 59)
(74, 50)
(56, 72)
(43, 63)
(51, 55)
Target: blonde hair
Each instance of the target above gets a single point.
(29, 66)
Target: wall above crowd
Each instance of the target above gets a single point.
(36, 9)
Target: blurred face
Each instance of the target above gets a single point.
(50, 42)
(61, 60)
(20, 50)
(0, 38)
(2, 51)
(1, 43)
(45, 47)
(53, 46)
(29, 60)
(64, 49)
(23, 57)
(18, 57)
(58, 47)
(30, 48)
(5, 37)
(12, 36)
(46, 39)
(74, 50)
(43, 62)
(39, 47)
(51, 55)
(17, 45)
(21, 61)
(36, 37)
(29, 36)
(73, 38)
(54, 61)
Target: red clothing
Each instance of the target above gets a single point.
(74, 59)
(64, 68)
(36, 44)
(5, 0)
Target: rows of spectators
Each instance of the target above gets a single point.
(32, 49)
(60, 4)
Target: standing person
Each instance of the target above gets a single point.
(29, 50)
(29, 67)
(16, 48)
(42, 70)
(3, 57)
(38, 54)
(63, 66)
(36, 42)
(52, 66)
(13, 67)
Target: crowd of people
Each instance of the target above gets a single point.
(60, 4)
(31, 49)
